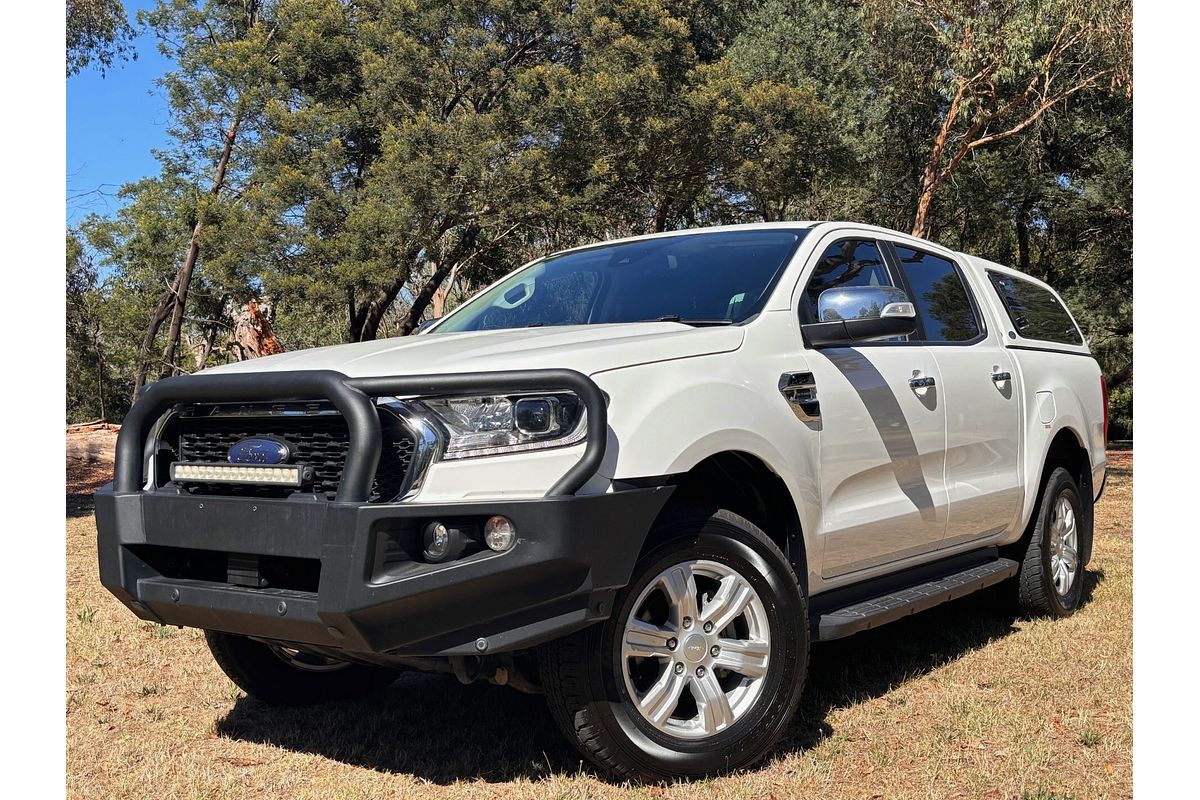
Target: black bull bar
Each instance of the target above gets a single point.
(353, 399)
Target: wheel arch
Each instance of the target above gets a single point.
(745, 484)
(1066, 448)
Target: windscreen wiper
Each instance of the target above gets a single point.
(695, 323)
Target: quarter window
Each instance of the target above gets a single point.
(1035, 312)
(940, 295)
(850, 262)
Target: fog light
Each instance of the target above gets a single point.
(500, 533)
(442, 542)
(437, 541)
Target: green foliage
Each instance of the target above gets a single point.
(98, 33)
(387, 151)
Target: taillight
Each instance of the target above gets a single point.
(1104, 399)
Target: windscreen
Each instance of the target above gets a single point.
(702, 278)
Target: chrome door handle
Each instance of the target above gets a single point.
(800, 390)
(921, 383)
(1001, 377)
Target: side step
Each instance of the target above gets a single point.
(847, 611)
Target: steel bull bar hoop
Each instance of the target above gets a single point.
(353, 399)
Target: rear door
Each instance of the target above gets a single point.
(982, 405)
(882, 438)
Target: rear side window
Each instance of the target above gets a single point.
(940, 295)
(1034, 311)
(850, 262)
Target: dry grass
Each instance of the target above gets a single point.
(964, 701)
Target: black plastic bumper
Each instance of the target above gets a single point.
(571, 556)
(350, 579)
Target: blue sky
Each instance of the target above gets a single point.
(112, 124)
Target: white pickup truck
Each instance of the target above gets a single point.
(641, 477)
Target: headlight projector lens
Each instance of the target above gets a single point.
(536, 415)
(500, 533)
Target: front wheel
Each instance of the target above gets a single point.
(701, 666)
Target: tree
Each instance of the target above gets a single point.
(356, 166)
(222, 49)
(998, 67)
(89, 384)
(98, 32)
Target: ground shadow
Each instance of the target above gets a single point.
(80, 505)
(859, 668)
(426, 725)
(432, 727)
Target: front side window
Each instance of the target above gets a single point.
(702, 278)
(850, 262)
(940, 296)
(1035, 312)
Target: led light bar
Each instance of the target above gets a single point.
(263, 474)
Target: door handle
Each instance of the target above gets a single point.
(1001, 377)
(800, 390)
(922, 382)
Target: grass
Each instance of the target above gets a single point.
(965, 701)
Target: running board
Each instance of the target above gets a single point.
(958, 577)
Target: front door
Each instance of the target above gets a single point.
(882, 431)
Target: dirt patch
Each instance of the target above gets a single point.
(89, 465)
(969, 700)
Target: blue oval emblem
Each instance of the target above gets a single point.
(260, 450)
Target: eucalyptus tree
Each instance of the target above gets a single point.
(98, 34)
(224, 56)
(995, 69)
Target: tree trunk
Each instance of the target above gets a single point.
(443, 292)
(1120, 377)
(183, 282)
(157, 317)
(449, 264)
(1023, 256)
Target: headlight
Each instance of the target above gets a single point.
(483, 426)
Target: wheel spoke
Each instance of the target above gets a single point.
(700, 659)
(661, 699)
(712, 703)
(744, 656)
(680, 586)
(728, 603)
(646, 640)
(1060, 577)
(1070, 557)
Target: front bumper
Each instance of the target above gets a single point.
(342, 573)
(573, 553)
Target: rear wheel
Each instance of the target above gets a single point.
(701, 666)
(287, 676)
(1051, 577)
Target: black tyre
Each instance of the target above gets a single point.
(1050, 581)
(283, 676)
(701, 665)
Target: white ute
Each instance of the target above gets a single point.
(811, 429)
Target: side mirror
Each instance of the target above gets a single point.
(421, 328)
(860, 314)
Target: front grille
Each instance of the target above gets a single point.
(317, 437)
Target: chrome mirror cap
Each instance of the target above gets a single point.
(863, 302)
